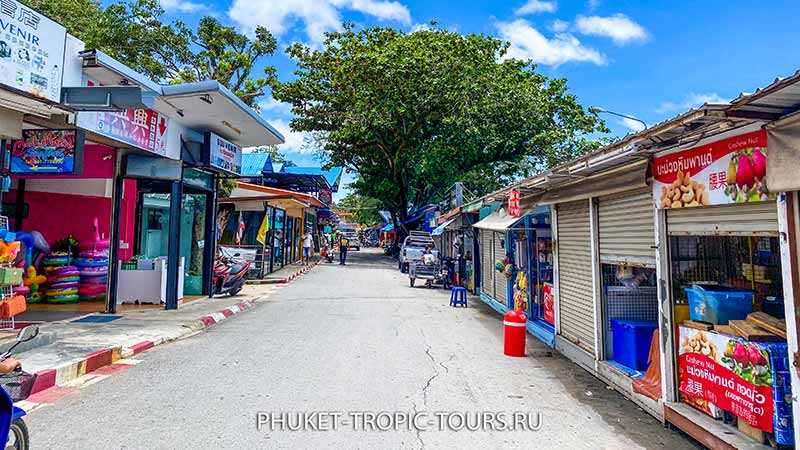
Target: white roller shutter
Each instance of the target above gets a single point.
(487, 266)
(576, 303)
(625, 225)
(500, 291)
(741, 219)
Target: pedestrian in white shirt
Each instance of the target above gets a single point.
(307, 241)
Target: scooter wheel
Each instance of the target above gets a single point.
(18, 436)
(233, 292)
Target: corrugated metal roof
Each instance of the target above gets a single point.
(333, 175)
(253, 163)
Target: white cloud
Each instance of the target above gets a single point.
(559, 26)
(692, 100)
(535, 7)
(295, 142)
(270, 104)
(317, 16)
(633, 125)
(420, 27)
(528, 43)
(621, 29)
(593, 4)
(182, 5)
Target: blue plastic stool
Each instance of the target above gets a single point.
(458, 296)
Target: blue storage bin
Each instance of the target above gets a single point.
(632, 342)
(718, 304)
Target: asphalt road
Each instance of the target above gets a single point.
(355, 341)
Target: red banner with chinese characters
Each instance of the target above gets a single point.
(727, 171)
(513, 203)
(731, 374)
(547, 304)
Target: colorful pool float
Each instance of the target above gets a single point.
(62, 292)
(72, 298)
(91, 262)
(91, 289)
(64, 284)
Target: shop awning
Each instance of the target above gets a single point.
(498, 221)
(388, 227)
(440, 229)
(623, 179)
(783, 156)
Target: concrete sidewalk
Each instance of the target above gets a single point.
(287, 273)
(68, 350)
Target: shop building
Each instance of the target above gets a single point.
(680, 224)
(272, 222)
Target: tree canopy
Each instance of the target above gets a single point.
(364, 209)
(414, 112)
(135, 33)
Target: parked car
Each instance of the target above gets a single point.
(353, 241)
(413, 246)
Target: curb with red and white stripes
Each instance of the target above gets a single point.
(53, 384)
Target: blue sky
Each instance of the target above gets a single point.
(648, 59)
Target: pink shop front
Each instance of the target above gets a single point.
(60, 205)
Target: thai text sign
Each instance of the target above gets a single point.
(31, 51)
(47, 152)
(727, 171)
(729, 373)
(142, 128)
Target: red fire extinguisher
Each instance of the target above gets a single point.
(514, 333)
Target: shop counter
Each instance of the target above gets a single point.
(147, 283)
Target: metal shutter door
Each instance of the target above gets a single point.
(487, 267)
(748, 219)
(576, 302)
(500, 291)
(625, 227)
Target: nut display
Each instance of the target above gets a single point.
(699, 344)
(684, 193)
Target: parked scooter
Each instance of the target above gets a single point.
(446, 272)
(230, 273)
(16, 387)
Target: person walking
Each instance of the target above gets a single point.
(343, 243)
(308, 240)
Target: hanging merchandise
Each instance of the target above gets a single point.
(521, 291)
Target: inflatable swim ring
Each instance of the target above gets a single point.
(91, 262)
(91, 289)
(64, 284)
(61, 292)
(63, 299)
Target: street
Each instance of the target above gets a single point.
(347, 339)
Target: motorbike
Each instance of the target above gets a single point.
(446, 272)
(230, 273)
(16, 387)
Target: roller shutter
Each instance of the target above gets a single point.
(742, 219)
(625, 226)
(500, 291)
(576, 303)
(487, 266)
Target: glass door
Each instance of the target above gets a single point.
(193, 226)
(277, 239)
(154, 228)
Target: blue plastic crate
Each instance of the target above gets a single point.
(632, 342)
(718, 304)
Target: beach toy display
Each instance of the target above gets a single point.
(93, 270)
(62, 279)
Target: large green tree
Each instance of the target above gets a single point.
(364, 209)
(414, 112)
(135, 33)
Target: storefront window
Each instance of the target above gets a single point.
(154, 233)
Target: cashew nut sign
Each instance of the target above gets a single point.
(728, 171)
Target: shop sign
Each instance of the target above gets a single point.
(31, 51)
(223, 154)
(142, 128)
(728, 373)
(44, 152)
(326, 196)
(548, 301)
(514, 203)
(728, 171)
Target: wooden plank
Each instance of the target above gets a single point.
(725, 329)
(772, 324)
(698, 325)
(752, 332)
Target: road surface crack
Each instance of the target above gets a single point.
(433, 377)
(416, 429)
